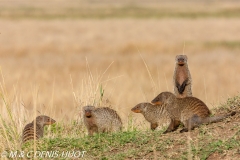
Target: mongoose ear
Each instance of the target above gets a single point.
(186, 58)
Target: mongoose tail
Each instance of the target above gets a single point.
(216, 118)
(196, 121)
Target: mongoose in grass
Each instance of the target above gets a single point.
(98, 120)
(155, 114)
(40, 121)
(190, 111)
(182, 78)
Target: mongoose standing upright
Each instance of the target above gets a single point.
(182, 78)
(41, 121)
(190, 111)
(155, 114)
(101, 120)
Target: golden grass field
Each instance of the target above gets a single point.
(63, 61)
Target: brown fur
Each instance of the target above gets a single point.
(182, 78)
(155, 114)
(190, 111)
(41, 121)
(99, 120)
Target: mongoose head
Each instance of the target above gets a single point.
(181, 60)
(44, 120)
(140, 108)
(87, 110)
(162, 98)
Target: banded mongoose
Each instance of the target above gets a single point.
(99, 120)
(182, 78)
(40, 121)
(155, 114)
(191, 111)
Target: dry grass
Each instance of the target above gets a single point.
(51, 54)
(56, 59)
(47, 58)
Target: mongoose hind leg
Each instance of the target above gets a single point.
(153, 126)
(191, 123)
(176, 124)
(172, 126)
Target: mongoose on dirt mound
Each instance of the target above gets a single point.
(190, 111)
(155, 114)
(101, 120)
(41, 121)
(182, 80)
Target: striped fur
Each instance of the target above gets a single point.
(182, 78)
(28, 131)
(190, 111)
(156, 115)
(101, 119)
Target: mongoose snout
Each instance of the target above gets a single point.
(88, 113)
(45, 120)
(50, 121)
(136, 109)
(181, 61)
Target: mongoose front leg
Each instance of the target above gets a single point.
(90, 132)
(181, 88)
(176, 124)
(170, 127)
(153, 126)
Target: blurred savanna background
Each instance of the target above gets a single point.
(59, 55)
